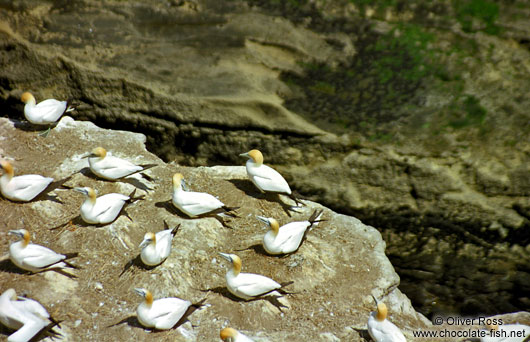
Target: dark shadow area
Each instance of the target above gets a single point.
(46, 332)
(223, 291)
(250, 190)
(133, 322)
(129, 180)
(138, 264)
(29, 127)
(258, 248)
(364, 334)
(168, 205)
(7, 266)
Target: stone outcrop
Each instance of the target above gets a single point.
(442, 171)
(335, 272)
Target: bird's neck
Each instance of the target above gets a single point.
(252, 164)
(235, 270)
(7, 176)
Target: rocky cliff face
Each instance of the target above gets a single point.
(417, 112)
(335, 271)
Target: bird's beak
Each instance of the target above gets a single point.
(144, 243)
(16, 233)
(184, 185)
(88, 155)
(81, 190)
(375, 300)
(263, 219)
(244, 155)
(226, 256)
(139, 292)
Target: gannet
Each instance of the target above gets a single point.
(104, 209)
(165, 313)
(506, 333)
(21, 188)
(232, 335)
(35, 258)
(380, 328)
(248, 285)
(194, 204)
(28, 317)
(112, 168)
(265, 178)
(45, 112)
(156, 247)
(287, 238)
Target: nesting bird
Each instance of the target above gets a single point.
(287, 238)
(248, 285)
(28, 317)
(108, 167)
(156, 247)
(103, 209)
(265, 178)
(162, 314)
(36, 258)
(21, 188)
(380, 328)
(45, 112)
(195, 204)
(232, 335)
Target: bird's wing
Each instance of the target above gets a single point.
(28, 330)
(109, 206)
(200, 202)
(114, 167)
(255, 284)
(388, 332)
(40, 257)
(51, 109)
(269, 179)
(32, 306)
(163, 242)
(29, 185)
(290, 237)
(167, 312)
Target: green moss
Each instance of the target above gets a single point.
(469, 113)
(403, 54)
(477, 15)
(323, 87)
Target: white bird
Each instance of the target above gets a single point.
(27, 317)
(45, 112)
(21, 188)
(287, 238)
(506, 333)
(165, 313)
(103, 209)
(156, 247)
(195, 204)
(380, 328)
(265, 178)
(248, 285)
(232, 335)
(108, 167)
(36, 258)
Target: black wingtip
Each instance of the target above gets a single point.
(230, 211)
(296, 198)
(175, 230)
